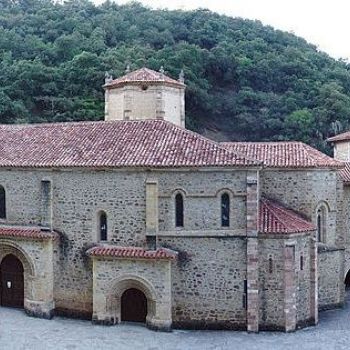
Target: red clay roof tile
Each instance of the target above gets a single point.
(149, 143)
(132, 253)
(275, 218)
(345, 173)
(292, 154)
(26, 232)
(141, 76)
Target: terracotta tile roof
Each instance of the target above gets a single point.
(142, 76)
(26, 232)
(345, 136)
(345, 173)
(149, 143)
(292, 154)
(275, 218)
(132, 253)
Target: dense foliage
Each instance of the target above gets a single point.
(245, 81)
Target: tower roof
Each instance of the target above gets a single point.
(144, 76)
(345, 136)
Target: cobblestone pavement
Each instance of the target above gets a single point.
(18, 331)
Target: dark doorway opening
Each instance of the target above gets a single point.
(347, 281)
(12, 282)
(133, 306)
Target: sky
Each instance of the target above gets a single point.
(325, 23)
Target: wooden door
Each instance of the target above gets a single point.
(133, 306)
(12, 282)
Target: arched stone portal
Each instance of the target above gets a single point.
(133, 306)
(11, 282)
(143, 278)
(26, 271)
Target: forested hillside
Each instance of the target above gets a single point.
(245, 81)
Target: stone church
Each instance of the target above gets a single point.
(137, 219)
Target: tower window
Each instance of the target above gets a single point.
(321, 223)
(103, 226)
(2, 203)
(225, 210)
(179, 210)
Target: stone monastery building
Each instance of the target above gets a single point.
(136, 218)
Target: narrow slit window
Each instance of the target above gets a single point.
(103, 226)
(225, 210)
(46, 203)
(270, 264)
(321, 224)
(179, 210)
(301, 263)
(2, 203)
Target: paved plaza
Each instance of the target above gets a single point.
(18, 331)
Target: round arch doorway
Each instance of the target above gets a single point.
(11, 282)
(133, 306)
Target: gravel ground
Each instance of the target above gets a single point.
(18, 331)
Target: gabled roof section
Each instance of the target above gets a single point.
(132, 253)
(345, 136)
(274, 218)
(115, 144)
(144, 76)
(291, 154)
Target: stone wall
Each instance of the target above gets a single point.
(137, 102)
(342, 151)
(208, 282)
(80, 194)
(202, 196)
(271, 284)
(303, 191)
(285, 286)
(331, 277)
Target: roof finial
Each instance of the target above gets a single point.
(161, 70)
(127, 70)
(182, 76)
(108, 78)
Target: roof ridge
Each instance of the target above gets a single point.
(260, 142)
(239, 154)
(313, 158)
(267, 203)
(82, 122)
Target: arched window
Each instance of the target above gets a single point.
(179, 210)
(103, 226)
(321, 223)
(225, 210)
(2, 203)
